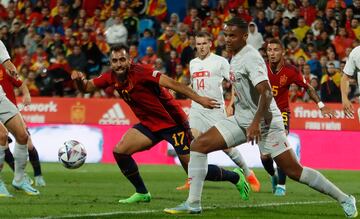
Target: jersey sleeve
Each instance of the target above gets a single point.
(148, 74)
(225, 69)
(350, 66)
(300, 80)
(4, 55)
(102, 80)
(256, 68)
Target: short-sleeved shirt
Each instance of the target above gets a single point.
(280, 82)
(352, 66)
(153, 105)
(4, 55)
(247, 69)
(207, 76)
(8, 83)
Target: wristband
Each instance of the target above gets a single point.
(320, 104)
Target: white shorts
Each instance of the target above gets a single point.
(273, 141)
(203, 120)
(7, 110)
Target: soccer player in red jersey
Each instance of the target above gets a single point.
(161, 117)
(281, 76)
(8, 84)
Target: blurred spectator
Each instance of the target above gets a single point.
(31, 84)
(204, 9)
(171, 63)
(168, 41)
(150, 56)
(192, 15)
(301, 29)
(294, 50)
(17, 34)
(117, 33)
(133, 53)
(181, 76)
(290, 10)
(111, 20)
(341, 42)
(159, 65)
(189, 52)
(330, 85)
(261, 21)
(271, 10)
(308, 12)
(146, 41)
(77, 59)
(93, 55)
(131, 22)
(254, 38)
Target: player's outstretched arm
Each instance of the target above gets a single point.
(206, 102)
(344, 87)
(26, 94)
(325, 110)
(253, 131)
(81, 82)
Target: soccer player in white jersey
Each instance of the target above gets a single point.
(10, 116)
(207, 73)
(352, 68)
(256, 119)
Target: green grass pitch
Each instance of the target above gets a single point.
(93, 190)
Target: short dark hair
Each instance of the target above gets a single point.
(238, 22)
(119, 47)
(276, 41)
(204, 34)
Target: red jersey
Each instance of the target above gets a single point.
(281, 81)
(8, 83)
(152, 104)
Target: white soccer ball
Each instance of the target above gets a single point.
(72, 154)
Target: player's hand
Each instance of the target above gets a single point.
(77, 75)
(26, 100)
(208, 102)
(328, 112)
(229, 110)
(348, 108)
(253, 133)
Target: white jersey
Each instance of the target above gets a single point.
(4, 55)
(247, 69)
(352, 66)
(207, 76)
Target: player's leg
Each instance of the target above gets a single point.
(239, 160)
(286, 159)
(35, 163)
(9, 158)
(225, 133)
(184, 159)
(3, 146)
(134, 140)
(16, 126)
(314, 179)
(268, 164)
(281, 188)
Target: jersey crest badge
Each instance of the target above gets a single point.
(283, 80)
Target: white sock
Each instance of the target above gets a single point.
(236, 156)
(198, 167)
(317, 181)
(20, 157)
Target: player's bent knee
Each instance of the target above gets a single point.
(200, 145)
(22, 138)
(293, 173)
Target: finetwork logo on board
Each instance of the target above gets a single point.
(114, 116)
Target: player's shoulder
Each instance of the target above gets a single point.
(355, 51)
(290, 69)
(218, 58)
(141, 68)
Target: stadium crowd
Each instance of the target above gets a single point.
(49, 39)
